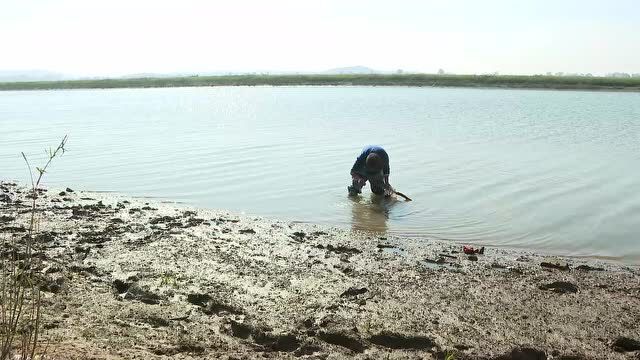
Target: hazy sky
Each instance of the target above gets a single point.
(463, 36)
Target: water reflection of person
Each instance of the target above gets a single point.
(370, 214)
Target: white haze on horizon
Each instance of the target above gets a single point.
(91, 38)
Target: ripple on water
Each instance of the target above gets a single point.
(555, 171)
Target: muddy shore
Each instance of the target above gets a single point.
(134, 279)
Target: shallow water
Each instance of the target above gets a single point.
(555, 171)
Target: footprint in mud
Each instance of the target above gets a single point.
(399, 341)
(433, 263)
(169, 221)
(131, 291)
(261, 337)
(199, 299)
(13, 229)
(298, 236)
(524, 354)
(179, 349)
(339, 249)
(555, 264)
(52, 284)
(5, 218)
(589, 268)
(307, 349)
(354, 291)
(560, 287)
(342, 339)
(390, 249)
(156, 322)
(211, 306)
(625, 344)
(142, 295)
(85, 270)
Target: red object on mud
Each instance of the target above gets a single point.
(470, 250)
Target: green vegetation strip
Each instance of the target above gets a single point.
(536, 82)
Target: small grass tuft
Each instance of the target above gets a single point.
(450, 355)
(169, 279)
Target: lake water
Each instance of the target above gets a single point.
(554, 171)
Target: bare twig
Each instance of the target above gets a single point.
(20, 298)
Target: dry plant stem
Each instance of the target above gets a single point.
(12, 302)
(41, 171)
(19, 285)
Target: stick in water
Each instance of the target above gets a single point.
(403, 195)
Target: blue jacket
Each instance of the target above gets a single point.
(360, 167)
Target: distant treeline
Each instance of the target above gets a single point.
(497, 81)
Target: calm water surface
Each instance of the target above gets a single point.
(555, 171)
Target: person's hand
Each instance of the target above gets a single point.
(358, 179)
(388, 190)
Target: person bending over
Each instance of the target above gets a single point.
(372, 165)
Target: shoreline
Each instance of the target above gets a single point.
(632, 261)
(373, 80)
(138, 278)
(477, 87)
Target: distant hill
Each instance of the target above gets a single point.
(351, 70)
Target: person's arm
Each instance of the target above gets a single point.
(359, 165)
(386, 170)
